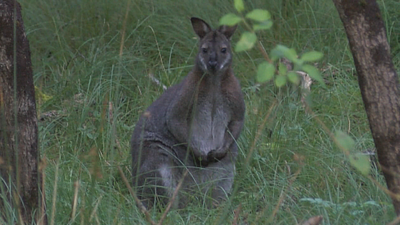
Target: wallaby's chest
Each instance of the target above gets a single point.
(210, 119)
(211, 106)
(212, 113)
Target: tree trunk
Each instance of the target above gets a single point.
(20, 179)
(378, 83)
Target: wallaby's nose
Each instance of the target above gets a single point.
(212, 63)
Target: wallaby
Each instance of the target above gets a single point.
(193, 126)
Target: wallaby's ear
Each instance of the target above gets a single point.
(200, 27)
(227, 31)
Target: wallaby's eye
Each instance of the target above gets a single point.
(223, 50)
(204, 50)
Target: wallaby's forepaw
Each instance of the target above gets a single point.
(212, 157)
(216, 155)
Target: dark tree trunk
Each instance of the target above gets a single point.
(378, 83)
(20, 178)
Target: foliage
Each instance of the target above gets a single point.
(266, 70)
(261, 20)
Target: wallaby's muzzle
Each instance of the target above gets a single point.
(212, 61)
(212, 64)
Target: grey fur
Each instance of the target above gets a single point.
(192, 126)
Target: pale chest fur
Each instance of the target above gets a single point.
(209, 122)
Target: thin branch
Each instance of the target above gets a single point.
(94, 212)
(53, 208)
(326, 129)
(42, 219)
(138, 202)
(124, 29)
(171, 201)
(158, 48)
(259, 131)
(395, 221)
(75, 201)
(384, 189)
(263, 52)
(157, 82)
(283, 194)
(315, 220)
(236, 213)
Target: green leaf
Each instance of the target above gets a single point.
(91, 136)
(278, 51)
(239, 6)
(246, 42)
(282, 69)
(297, 64)
(280, 80)
(313, 72)
(344, 141)
(265, 72)
(361, 162)
(230, 19)
(311, 56)
(293, 77)
(291, 54)
(283, 51)
(265, 25)
(259, 15)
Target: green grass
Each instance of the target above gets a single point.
(98, 95)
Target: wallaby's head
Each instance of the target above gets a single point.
(215, 54)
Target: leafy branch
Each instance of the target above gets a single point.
(273, 69)
(259, 20)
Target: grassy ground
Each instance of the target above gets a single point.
(99, 85)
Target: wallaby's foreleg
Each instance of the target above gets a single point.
(231, 135)
(178, 115)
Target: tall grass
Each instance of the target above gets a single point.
(98, 92)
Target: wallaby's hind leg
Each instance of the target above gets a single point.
(215, 180)
(221, 176)
(157, 175)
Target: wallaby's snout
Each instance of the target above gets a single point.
(211, 57)
(213, 61)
